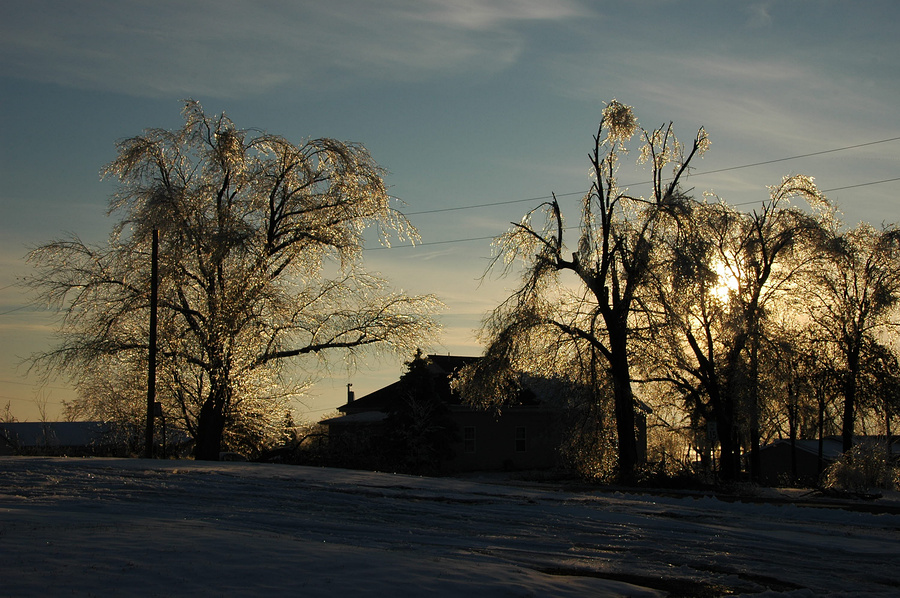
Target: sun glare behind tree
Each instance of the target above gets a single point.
(727, 282)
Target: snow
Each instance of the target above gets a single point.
(87, 527)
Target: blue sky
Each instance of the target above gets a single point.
(465, 102)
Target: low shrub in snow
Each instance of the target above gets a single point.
(864, 467)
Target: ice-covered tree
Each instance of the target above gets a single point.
(854, 300)
(260, 261)
(578, 304)
(726, 270)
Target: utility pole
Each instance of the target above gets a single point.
(151, 369)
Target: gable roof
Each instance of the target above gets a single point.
(382, 399)
(831, 448)
(387, 398)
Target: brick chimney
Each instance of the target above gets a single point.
(350, 395)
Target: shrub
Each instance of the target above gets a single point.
(864, 467)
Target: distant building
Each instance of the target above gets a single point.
(524, 434)
(54, 438)
(80, 439)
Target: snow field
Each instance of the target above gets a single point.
(110, 527)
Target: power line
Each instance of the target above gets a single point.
(429, 243)
(17, 399)
(828, 151)
(33, 384)
(861, 185)
(695, 174)
(449, 241)
(15, 309)
(490, 238)
(36, 309)
(495, 203)
(747, 203)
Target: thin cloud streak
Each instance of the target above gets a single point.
(244, 49)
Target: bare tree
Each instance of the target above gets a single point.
(6, 416)
(726, 270)
(880, 384)
(613, 255)
(854, 300)
(260, 261)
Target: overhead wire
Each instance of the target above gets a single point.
(707, 172)
(469, 239)
(819, 153)
(15, 309)
(695, 174)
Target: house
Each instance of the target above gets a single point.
(779, 467)
(524, 434)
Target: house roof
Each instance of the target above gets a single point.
(832, 446)
(376, 405)
(363, 417)
(387, 398)
(382, 399)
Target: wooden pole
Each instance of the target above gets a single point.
(151, 369)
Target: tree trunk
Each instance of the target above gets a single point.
(755, 458)
(210, 426)
(211, 423)
(723, 410)
(793, 410)
(849, 401)
(624, 406)
(729, 466)
(792, 431)
(821, 431)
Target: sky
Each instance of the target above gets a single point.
(478, 109)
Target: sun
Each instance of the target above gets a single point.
(726, 282)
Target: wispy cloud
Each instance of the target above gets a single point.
(753, 98)
(759, 15)
(493, 14)
(237, 48)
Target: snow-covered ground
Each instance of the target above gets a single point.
(106, 527)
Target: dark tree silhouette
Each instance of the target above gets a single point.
(611, 260)
(420, 429)
(854, 300)
(726, 270)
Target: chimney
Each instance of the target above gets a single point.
(350, 395)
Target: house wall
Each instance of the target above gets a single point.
(775, 465)
(519, 438)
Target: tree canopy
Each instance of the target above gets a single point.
(674, 299)
(613, 255)
(260, 260)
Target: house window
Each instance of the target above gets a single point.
(521, 440)
(469, 439)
